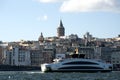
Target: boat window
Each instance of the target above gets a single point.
(80, 67)
(79, 62)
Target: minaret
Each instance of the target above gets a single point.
(60, 29)
(41, 38)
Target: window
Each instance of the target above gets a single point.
(13, 51)
(80, 67)
(21, 56)
(79, 62)
(117, 61)
(113, 61)
(13, 62)
(113, 58)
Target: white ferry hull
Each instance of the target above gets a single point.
(65, 67)
(48, 69)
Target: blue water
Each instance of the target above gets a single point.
(29, 75)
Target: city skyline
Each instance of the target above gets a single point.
(26, 19)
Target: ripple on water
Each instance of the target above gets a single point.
(28, 75)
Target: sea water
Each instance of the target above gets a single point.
(37, 75)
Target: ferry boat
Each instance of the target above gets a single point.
(76, 65)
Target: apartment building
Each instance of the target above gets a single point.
(18, 55)
(115, 59)
(36, 57)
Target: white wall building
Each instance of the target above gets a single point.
(18, 56)
(115, 60)
(115, 57)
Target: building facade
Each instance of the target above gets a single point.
(115, 59)
(18, 55)
(36, 57)
(2, 55)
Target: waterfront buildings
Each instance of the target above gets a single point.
(45, 49)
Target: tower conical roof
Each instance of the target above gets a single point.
(61, 24)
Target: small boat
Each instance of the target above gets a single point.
(76, 65)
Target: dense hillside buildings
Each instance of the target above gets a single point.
(45, 49)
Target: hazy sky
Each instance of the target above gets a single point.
(26, 19)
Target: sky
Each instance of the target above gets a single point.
(26, 19)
